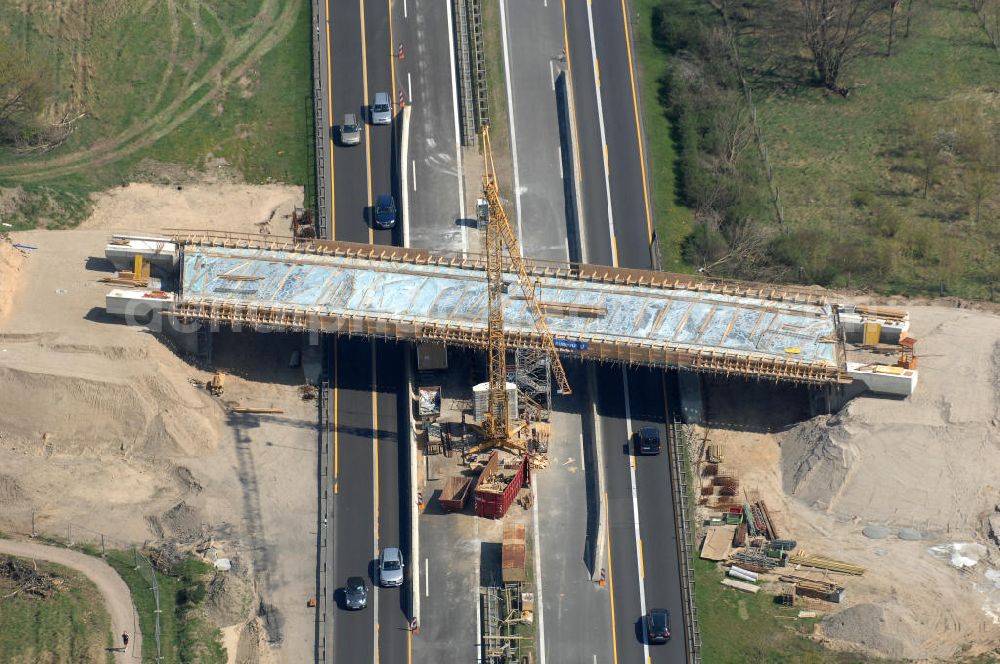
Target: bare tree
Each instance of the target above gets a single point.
(909, 16)
(834, 32)
(24, 88)
(893, 9)
(927, 144)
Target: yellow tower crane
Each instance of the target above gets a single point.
(500, 236)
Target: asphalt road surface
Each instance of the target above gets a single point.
(643, 560)
(365, 377)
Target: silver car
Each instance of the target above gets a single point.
(350, 131)
(382, 109)
(390, 567)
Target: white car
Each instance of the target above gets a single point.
(390, 568)
(382, 109)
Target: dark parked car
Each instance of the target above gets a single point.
(647, 441)
(385, 211)
(658, 625)
(355, 593)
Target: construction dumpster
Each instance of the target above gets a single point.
(497, 486)
(455, 493)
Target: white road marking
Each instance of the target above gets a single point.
(560, 163)
(604, 139)
(538, 573)
(510, 121)
(404, 10)
(635, 516)
(427, 578)
(414, 171)
(409, 86)
(552, 75)
(458, 141)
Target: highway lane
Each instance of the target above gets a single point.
(367, 377)
(643, 556)
(392, 507)
(657, 526)
(534, 37)
(349, 167)
(379, 76)
(629, 199)
(594, 182)
(426, 77)
(354, 635)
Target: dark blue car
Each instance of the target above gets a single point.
(385, 211)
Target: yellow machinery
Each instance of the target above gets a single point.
(500, 236)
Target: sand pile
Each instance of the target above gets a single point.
(927, 462)
(11, 260)
(74, 414)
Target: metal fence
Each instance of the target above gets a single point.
(320, 122)
(677, 449)
(323, 654)
(76, 536)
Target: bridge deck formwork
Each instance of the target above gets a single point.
(595, 312)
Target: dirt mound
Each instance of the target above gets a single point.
(874, 630)
(183, 522)
(925, 462)
(103, 414)
(230, 599)
(11, 260)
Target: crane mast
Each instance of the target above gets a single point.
(499, 236)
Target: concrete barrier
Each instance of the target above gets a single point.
(600, 535)
(411, 489)
(570, 157)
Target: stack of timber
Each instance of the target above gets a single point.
(823, 590)
(822, 562)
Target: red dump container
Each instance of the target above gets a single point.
(491, 503)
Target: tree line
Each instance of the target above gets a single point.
(953, 152)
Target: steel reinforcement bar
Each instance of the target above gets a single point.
(474, 336)
(535, 268)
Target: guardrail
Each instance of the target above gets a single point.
(320, 122)
(677, 449)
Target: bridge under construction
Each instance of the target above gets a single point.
(597, 313)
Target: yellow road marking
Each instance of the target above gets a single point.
(611, 584)
(329, 80)
(614, 248)
(375, 431)
(409, 647)
(638, 131)
(368, 144)
(642, 561)
(569, 70)
(597, 70)
(607, 162)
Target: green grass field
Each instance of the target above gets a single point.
(156, 89)
(70, 626)
(673, 220)
(842, 164)
(185, 637)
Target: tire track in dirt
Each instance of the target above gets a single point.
(237, 58)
